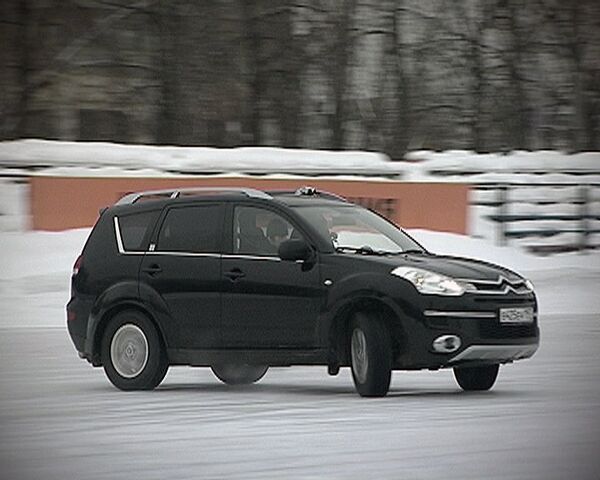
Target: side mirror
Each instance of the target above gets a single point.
(294, 250)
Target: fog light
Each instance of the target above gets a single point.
(446, 344)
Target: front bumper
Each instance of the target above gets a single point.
(475, 320)
(494, 353)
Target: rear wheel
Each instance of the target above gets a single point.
(476, 378)
(239, 374)
(132, 352)
(370, 356)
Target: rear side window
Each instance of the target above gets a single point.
(191, 229)
(135, 230)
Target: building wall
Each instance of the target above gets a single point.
(60, 203)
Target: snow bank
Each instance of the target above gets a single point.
(420, 165)
(565, 284)
(542, 161)
(14, 205)
(195, 160)
(35, 276)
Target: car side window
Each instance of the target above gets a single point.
(192, 229)
(136, 228)
(258, 231)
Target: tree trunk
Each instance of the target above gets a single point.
(288, 103)
(477, 71)
(342, 53)
(255, 81)
(519, 129)
(24, 13)
(165, 18)
(401, 130)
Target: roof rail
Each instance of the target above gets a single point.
(176, 192)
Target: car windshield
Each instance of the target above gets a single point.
(355, 229)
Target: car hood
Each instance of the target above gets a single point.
(457, 267)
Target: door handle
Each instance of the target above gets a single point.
(153, 269)
(235, 274)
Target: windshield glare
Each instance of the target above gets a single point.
(355, 228)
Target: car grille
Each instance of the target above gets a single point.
(501, 286)
(504, 301)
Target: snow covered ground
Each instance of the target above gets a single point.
(61, 419)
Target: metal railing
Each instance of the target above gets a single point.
(565, 215)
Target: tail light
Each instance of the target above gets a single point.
(78, 264)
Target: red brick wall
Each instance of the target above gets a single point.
(59, 203)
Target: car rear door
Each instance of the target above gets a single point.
(183, 269)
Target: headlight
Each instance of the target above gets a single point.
(529, 285)
(432, 283)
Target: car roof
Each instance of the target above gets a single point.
(153, 199)
(294, 200)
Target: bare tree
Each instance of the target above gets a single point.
(253, 41)
(585, 78)
(519, 129)
(386, 75)
(343, 41)
(25, 67)
(166, 19)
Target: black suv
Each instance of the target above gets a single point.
(241, 279)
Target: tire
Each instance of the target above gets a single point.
(476, 378)
(370, 356)
(132, 352)
(239, 374)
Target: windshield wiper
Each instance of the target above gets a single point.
(365, 250)
(415, 250)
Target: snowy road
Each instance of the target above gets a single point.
(61, 419)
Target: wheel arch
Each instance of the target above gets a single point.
(370, 304)
(109, 314)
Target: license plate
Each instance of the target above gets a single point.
(516, 315)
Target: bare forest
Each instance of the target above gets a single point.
(390, 76)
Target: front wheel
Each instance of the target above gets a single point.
(239, 374)
(476, 378)
(132, 352)
(370, 356)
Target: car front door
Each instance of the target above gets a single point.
(183, 267)
(267, 303)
